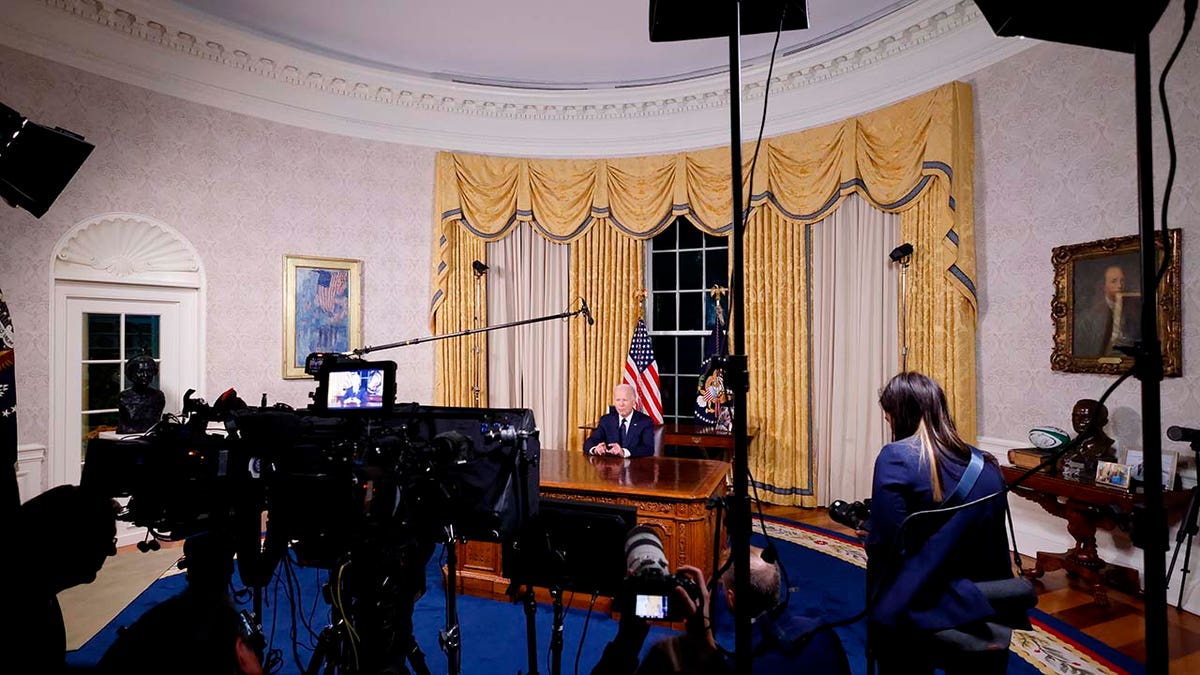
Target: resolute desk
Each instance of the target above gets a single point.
(670, 494)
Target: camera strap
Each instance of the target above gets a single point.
(970, 475)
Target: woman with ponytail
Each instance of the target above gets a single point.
(922, 570)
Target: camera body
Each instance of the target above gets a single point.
(650, 590)
(853, 515)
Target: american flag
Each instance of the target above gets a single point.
(641, 373)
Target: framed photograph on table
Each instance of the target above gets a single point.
(1097, 305)
(1113, 475)
(322, 309)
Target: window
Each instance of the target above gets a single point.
(684, 263)
(108, 342)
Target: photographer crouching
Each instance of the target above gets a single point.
(940, 585)
(782, 642)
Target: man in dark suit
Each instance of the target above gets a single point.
(625, 432)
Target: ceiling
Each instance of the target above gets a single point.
(546, 44)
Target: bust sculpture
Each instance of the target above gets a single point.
(1096, 446)
(140, 406)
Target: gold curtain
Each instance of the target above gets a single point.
(914, 157)
(606, 269)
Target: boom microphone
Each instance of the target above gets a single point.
(587, 313)
(1183, 434)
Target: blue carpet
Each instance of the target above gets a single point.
(494, 633)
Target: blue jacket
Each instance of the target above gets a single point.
(925, 580)
(639, 439)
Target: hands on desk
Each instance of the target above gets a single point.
(614, 449)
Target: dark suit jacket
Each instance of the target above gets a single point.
(926, 581)
(639, 440)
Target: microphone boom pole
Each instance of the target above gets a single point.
(462, 333)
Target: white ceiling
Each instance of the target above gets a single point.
(549, 44)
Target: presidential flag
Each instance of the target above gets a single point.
(641, 373)
(714, 401)
(9, 495)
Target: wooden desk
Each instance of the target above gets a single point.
(714, 443)
(670, 495)
(1086, 507)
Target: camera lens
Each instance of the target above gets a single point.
(644, 552)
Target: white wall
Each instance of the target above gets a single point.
(244, 191)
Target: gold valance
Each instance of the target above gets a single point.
(914, 157)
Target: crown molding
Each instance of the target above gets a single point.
(166, 48)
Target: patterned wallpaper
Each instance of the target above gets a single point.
(1055, 165)
(244, 192)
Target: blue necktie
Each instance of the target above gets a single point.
(623, 429)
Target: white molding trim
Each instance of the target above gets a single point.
(127, 248)
(123, 258)
(169, 49)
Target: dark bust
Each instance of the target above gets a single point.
(141, 405)
(1096, 446)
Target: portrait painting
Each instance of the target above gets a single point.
(322, 301)
(1097, 305)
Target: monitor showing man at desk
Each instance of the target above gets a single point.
(623, 431)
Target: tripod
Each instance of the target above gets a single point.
(450, 637)
(1187, 532)
(371, 630)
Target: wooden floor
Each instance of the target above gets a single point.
(1120, 625)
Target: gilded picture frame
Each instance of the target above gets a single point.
(322, 309)
(1097, 305)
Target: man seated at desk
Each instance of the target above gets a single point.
(625, 432)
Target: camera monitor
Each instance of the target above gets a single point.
(354, 386)
(575, 546)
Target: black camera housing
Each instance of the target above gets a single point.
(654, 597)
(853, 515)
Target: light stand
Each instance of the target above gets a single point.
(1187, 531)
(479, 270)
(903, 255)
(683, 20)
(1124, 31)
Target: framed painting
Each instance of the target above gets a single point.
(322, 309)
(1098, 302)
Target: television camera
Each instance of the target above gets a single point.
(354, 482)
(853, 515)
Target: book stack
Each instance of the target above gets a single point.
(1027, 458)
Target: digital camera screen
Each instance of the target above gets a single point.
(356, 389)
(651, 606)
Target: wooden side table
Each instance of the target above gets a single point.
(1086, 508)
(713, 443)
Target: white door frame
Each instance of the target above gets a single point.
(178, 372)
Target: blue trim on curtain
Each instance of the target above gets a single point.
(436, 297)
(451, 213)
(564, 238)
(952, 236)
(966, 281)
(781, 491)
(939, 166)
